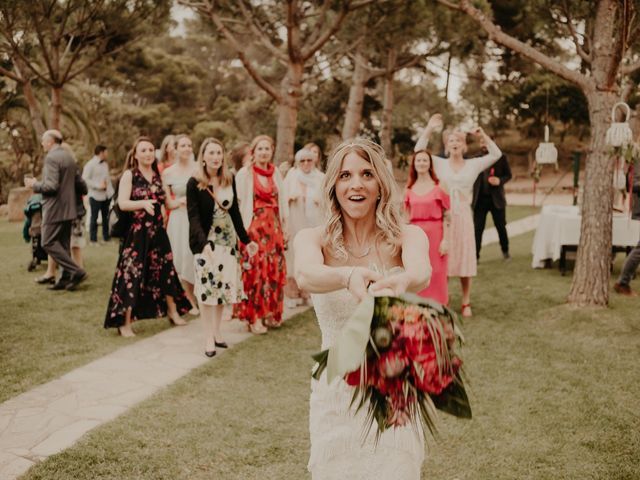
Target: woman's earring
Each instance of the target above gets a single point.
(379, 197)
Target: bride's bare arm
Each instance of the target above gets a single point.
(415, 259)
(314, 276)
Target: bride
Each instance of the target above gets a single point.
(363, 243)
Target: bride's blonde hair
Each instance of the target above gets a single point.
(388, 214)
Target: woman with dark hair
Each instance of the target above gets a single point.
(145, 284)
(427, 204)
(240, 156)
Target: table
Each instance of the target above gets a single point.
(558, 232)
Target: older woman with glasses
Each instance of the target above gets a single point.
(302, 187)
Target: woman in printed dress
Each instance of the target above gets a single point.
(427, 204)
(459, 174)
(215, 225)
(145, 284)
(264, 213)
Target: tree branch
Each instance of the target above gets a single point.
(258, 32)
(497, 35)
(582, 53)
(241, 52)
(11, 75)
(324, 37)
(632, 67)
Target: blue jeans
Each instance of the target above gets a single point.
(102, 207)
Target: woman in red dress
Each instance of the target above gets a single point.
(427, 204)
(264, 211)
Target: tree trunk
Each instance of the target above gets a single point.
(387, 109)
(291, 91)
(56, 107)
(34, 108)
(353, 115)
(590, 285)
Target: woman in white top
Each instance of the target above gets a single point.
(175, 178)
(264, 211)
(459, 175)
(302, 187)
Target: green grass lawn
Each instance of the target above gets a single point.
(44, 334)
(554, 393)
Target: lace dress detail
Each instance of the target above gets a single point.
(338, 450)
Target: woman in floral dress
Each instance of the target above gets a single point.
(145, 284)
(264, 213)
(215, 225)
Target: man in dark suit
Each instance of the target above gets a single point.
(488, 196)
(58, 188)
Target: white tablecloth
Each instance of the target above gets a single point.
(560, 225)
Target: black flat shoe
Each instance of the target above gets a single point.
(45, 280)
(76, 280)
(59, 285)
(210, 354)
(221, 344)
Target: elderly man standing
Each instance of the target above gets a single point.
(96, 174)
(58, 188)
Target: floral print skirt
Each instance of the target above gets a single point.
(264, 274)
(219, 274)
(145, 274)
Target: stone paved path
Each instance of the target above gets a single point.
(517, 227)
(53, 416)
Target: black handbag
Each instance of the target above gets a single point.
(119, 221)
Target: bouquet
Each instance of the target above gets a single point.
(401, 355)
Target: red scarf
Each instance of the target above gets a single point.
(264, 192)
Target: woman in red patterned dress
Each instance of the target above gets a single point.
(264, 213)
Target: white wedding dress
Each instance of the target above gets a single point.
(337, 447)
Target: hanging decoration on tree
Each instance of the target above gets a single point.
(619, 133)
(546, 153)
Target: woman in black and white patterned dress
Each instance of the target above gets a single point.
(215, 225)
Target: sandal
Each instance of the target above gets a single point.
(258, 328)
(465, 307)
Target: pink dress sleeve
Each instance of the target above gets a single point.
(444, 198)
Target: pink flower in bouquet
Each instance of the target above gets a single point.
(412, 314)
(413, 331)
(392, 363)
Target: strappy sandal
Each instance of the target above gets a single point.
(466, 306)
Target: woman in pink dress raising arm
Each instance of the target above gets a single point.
(427, 204)
(459, 175)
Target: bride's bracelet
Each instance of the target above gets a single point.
(349, 278)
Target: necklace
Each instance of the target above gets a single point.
(366, 252)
